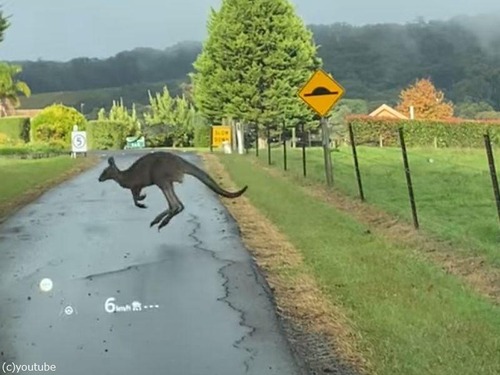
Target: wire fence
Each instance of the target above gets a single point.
(450, 192)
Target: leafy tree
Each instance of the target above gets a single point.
(206, 91)
(348, 106)
(170, 120)
(107, 134)
(55, 123)
(158, 119)
(121, 114)
(256, 57)
(201, 134)
(487, 115)
(182, 132)
(11, 87)
(471, 109)
(337, 120)
(187, 91)
(4, 24)
(161, 108)
(427, 101)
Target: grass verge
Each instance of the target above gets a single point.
(453, 190)
(22, 181)
(405, 315)
(481, 274)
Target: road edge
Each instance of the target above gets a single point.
(29, 196)
(312, 351)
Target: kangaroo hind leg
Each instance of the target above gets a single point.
(176, 206)
(160, 216)
(171, 205)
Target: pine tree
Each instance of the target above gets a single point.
(257, 55)
(427, 101)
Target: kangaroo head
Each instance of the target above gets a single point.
(111, 172)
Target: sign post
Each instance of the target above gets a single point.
(321, 93)
(239, 137)
(78, 141)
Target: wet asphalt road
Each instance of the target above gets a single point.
(127, 299)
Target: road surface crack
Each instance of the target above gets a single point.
(124, 269)
(227, 293)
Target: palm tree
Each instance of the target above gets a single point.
(4, 24)
(10, 88)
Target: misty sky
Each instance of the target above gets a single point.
(64, 29)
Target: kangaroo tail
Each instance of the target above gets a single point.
(204, 177)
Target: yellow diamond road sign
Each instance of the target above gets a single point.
(321, 92)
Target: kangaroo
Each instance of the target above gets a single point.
(161, 169)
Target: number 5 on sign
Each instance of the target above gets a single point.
(78, 142)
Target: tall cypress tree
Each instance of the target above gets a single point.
(207, 92)
(257, 55)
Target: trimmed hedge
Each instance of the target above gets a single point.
(32, 150)
(451, 133)
(16, 128)
(107, 134)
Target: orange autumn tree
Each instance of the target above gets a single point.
(427, 101)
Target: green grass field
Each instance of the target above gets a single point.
(412, 318)
(19, 176)
(453, 189)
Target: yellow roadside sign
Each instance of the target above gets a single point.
(321, 92)
(220, 133)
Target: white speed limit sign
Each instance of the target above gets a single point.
(79, 141)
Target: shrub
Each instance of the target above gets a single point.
(157, 135)
(16, 128)
(451, 133)
(55, 123)
(202, 136)
(58, 144)
(107, 134)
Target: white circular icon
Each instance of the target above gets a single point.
(46, 285)
(78, 141)
(68, 310)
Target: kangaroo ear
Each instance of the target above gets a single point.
(111, 160)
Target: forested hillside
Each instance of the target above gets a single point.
(141, 65)
(373, 62)
(461, 56)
